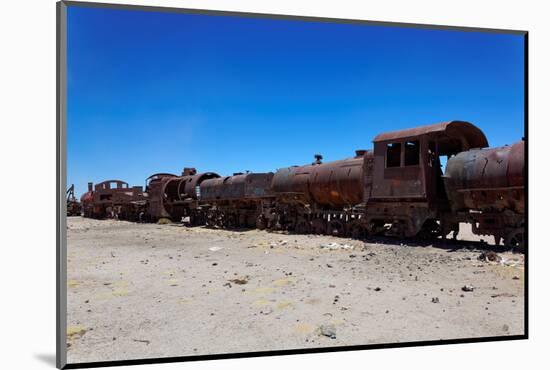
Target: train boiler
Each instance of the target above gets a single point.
(236, 201)
(175, 197)
(486, 188)
(321, 197)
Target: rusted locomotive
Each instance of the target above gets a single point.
(486, 189)
(321, 197)
(238, 200)
(176, 197)
(74, 207)
(397, 188)
(114, 199)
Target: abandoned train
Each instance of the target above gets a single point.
(398, 188)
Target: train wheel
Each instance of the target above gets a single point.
(319, 226)
(356, 230)
(336, 228)
(430, 230)
(302, 227)
(260, 222)
(516, 239)
(231, 221)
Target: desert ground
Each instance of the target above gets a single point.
(149, 290)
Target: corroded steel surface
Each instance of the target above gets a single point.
(407, 189)
(113, 198)
(237, 187)
(487, 179)
(398, 188)
(333, 184)
(191, 184)
(169, 194)
(73, 205)
(470, 135)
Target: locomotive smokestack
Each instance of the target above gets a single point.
(189, 171)
(90, 186)
(318, 158)
(360, 152)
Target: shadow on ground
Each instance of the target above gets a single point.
(47, 358)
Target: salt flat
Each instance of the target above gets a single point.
(148, 291)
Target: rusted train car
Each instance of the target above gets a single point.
(486, 189)
(175, 197)
(113, 199)
(398, 188)
(320, 197)
(74, 208)
(237, 201)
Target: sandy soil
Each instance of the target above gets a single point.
(147, 290)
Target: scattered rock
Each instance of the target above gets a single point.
(266, 311)
(334, 246)
(377, 289)
(328, 331)
(467, 288)
(515, 278)
(510, 262)
(240, 281)
(164, 221)
(142, 341)
(215, 249)
(435, 300)
(503, 295)
(489, 256)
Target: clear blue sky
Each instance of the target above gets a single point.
(155, 92)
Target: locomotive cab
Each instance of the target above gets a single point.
(406, 190)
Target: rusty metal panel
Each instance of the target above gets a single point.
(487, 179)
(73, 205)
(192, 183)
(155, 185)
(113, 198)
(292, 179)
(237, 187)
(402, 182)
(470, 135)
(258, 185)
(169, 193)
(336, 184)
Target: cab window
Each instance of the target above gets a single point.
(412, 153)
(393, 155)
